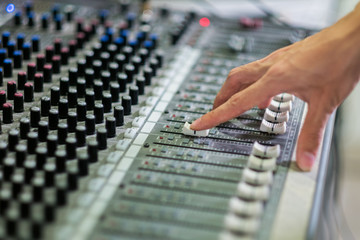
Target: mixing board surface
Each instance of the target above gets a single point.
(93, 104)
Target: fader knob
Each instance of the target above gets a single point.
(101, 138)
(83, 164)
(53, 119)
(92, 150)
(99, 113)
(24, 127)
(26, 48)
(47, 72)
(62, 133)
(11, 89)
(81, 111)
(71, 148)
(126, 104)
(43, 131)
(21, 80)
(134, 94)
(80, 136)
(90, 124)
(34, 116)
(18, 102)
(72, 121)
(110, 125)
(60, 160)
(32, 142)
(13, 139)
(7, 68)
(20, 155)
(51, 144)
(28, 92)
(7, 113)
(35, 40)
(119, 115)
(45, 106)
(54, 95)
(31, 70)
(38, 82)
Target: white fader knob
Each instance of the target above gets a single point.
(276, 128)
(246, 208)
(266, 151)
(257, 178)
(280, 106)
(261, 164)
(276, 117)
(284, 97)
(239, 224)
(250, 192)
(188, 131)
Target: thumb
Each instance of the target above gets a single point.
(311, 136)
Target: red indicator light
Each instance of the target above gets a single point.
(204, 22)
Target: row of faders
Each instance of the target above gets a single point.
(277, 114)
(246, 209)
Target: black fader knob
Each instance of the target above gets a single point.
(80, 136)
(60, 160)
(11, 89)
(13, 139)
(71, 148)
(90, 99)
(101, 138)
(45, 106)
(53, 119)
(73, 76)
(47, 72)
(32, 142)
(72, 97)
(43, 131)
(119, 115)
(107, 102)
(39, 82)
(105, 79)
(140, 83)
(34, 116)
(110, 125)
(51, 144)
(7, 68)
(134, 94)
(99, 113)
(40, 62)
(90, 124)
(28, 92)
(18, 102)
(20, 154)
(31, 70)
(72, 122)
(92, 150)
(7, 113)
(62, 133)
(54, 95)
(115, 92)
(24, 127)
(22, 77)
(83, 164)
(81, 111)
(122, 80)
(64, 86)
(126, 104)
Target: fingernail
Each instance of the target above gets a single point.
(195, 123)
(306, 161)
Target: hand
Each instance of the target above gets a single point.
(322, 70)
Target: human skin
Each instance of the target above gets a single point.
(321, 70)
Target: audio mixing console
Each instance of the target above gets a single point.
(93, 105)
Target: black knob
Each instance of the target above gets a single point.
(8, 168)
(45, 106)
(90, 124)
(126, 104)
(72, 121)
(18, 182)
(38, 82)
(90, 99)
(154, 64)
(144, 54)
(136, 62)
(56, 64)
(49, 53)
(63, 108)
(31, 70)
(127, 51)
(83, 164)
(97, 67)
(72, 48)
(81, 111)
(18, 102)
(35, 40)
(89, 56)
(110, 126)
(60, 161)
(62, 133)
(105, 59)
(38, 184)
(11, 89)
(130, 71)
(51, 144)
(121, 61)
(24, 127)
(11, 48)
(28, 92)
(122, 80)
(106, 101)
(50, 170)
(89, 78)
(45, 21)
(25, 203)
(105, 79)
(3, 150)
(47, 72)
(80, 88)
(71, 148)
(41, 153)
(98, 90)
(43, 131)
(99, 113)
(7, 68)
(40, 62)
(54, 95)
(64, 54)
(32, 142)
(13, 139)
(73, 173)
(58, 22)
(64, 86)
(119, 115)
(2, 98)
(34, 116)
(73, 76)
(80, 136)
(140, 83)
(17, 19)
(160, 58)
(57, 46)
(53, 119)
(81, 65)
(29, 166)
(92, 150)
(20, 155)
(18, 58)
(7, 113)
(134, 94)
(101, 136)
(112, 74)
(21, 80)
(115, 92)
(26, 51)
